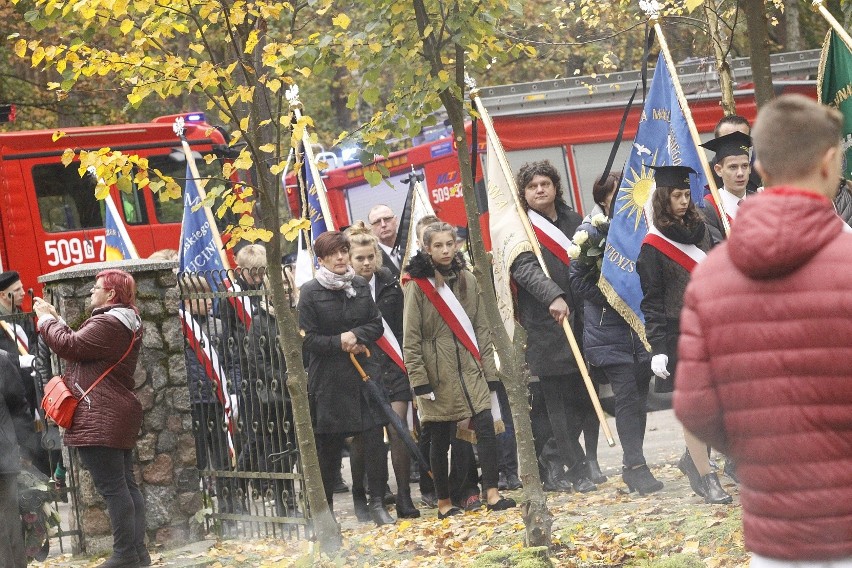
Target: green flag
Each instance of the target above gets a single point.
(834, 88)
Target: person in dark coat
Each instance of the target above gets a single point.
(543, 303)
(107, 422)
(366, 260)
(614, 348)
(15, 422)
(338, 317)
(385, 226)
(678, 230)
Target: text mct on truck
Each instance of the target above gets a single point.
(49, 216)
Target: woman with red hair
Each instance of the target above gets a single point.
(107, 421)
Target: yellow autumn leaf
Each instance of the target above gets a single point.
(278, 168)
(67, 156)
(269, 148)
(244, 123)
(243, 162)
(134, 98)
(341, 20)
(306, 71)
(443, 76)
(251, 42)
(126, 26)
(693, 4)
(274, 85)
(21, 47)
(57, 135)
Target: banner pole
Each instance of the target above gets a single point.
(296, 107)
(525, 221)
(817, 6)
(693, 131)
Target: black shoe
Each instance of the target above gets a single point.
(730, 470)
(144, 556)
(362, 511)
(414, 477)
(513, 482)
(429, 500)
(451, 513)
(595, 473)
(389, 498)
(579, 477)
(641, 479)
(340, 486)
(121, 562)
(405, 508)
(503, 504)
(502, 485)
(554, 478)
(379, 514)
(687, 467)
(715, 495)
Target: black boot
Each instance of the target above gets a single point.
(640, 479)
(389, 498)
(714, 494)
(359, 500)
(730, 470)
(554, 478)
(405, 508)
(122, 562)
(595, 473)
(379, 514)
(513, 481)
(579, 476)
(687, 467)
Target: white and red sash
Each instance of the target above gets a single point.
(452, 312)
(389, 344)
(209, 359)
(550, 237)
(688, 256)
(241, 304)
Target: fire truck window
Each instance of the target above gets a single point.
(171, 210)
(66, 202)
(134, 207)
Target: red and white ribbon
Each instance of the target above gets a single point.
(389, 344)
(550, 237)
(452, 313)
(688, 256)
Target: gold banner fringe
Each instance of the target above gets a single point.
(622, 308)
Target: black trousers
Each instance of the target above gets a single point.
(442, 433)
(630, 384)
(112, 473)
(506, 442)
(568, 405)
(12, 553)
(330, 452)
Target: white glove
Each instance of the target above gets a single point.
(658, 365)
(26, 361)
(430, 395)
(235, 408)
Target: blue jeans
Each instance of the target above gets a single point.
(112, 473)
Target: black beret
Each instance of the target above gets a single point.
(8, 278)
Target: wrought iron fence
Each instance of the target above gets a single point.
(245, 438)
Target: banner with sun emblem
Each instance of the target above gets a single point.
(662, 139)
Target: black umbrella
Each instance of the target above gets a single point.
(378, 396)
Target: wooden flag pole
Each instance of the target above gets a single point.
(693, 131)
(525, 221)
(817, 6)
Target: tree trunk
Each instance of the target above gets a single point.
(263, 108)
(758, 38)
(791, 25)
(726, 79)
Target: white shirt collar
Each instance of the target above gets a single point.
(373, 286)
(730, 202)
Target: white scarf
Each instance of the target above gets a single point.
(332, 281)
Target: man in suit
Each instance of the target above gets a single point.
(385, 225)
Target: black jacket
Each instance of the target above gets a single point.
(388, 263)
(547, 350)
(16, 423)
(339, 401)
(607, 338)
(843, 204)
(389, 300)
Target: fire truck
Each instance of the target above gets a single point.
(572, 122)
(49, 217)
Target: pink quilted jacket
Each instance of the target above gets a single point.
(765, 371)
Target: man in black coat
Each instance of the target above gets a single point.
(385, 225)
(15, 425)
(543, 303)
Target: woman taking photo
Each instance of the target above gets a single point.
(366, 259)
(611, 346)
(676, 242)
(450, 359)
(338, 317)
(107, 422)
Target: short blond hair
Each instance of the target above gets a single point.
(251, 257)
(792, 134)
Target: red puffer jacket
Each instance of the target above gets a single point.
(110, 415)
(765, 371)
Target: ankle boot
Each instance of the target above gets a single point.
(121, 562)
(687, 467)
(379, 514)
(579, 476)
(641, 479)
(405, 508)
(359, 500)
(715, 495)
(595, 473)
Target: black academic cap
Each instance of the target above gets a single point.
(8, 278)
(733, 144)
(676, 177)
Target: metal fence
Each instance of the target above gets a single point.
(245, 437)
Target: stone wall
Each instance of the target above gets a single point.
(165, 453)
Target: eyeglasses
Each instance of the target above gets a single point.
(99, 288)
(382, 220)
